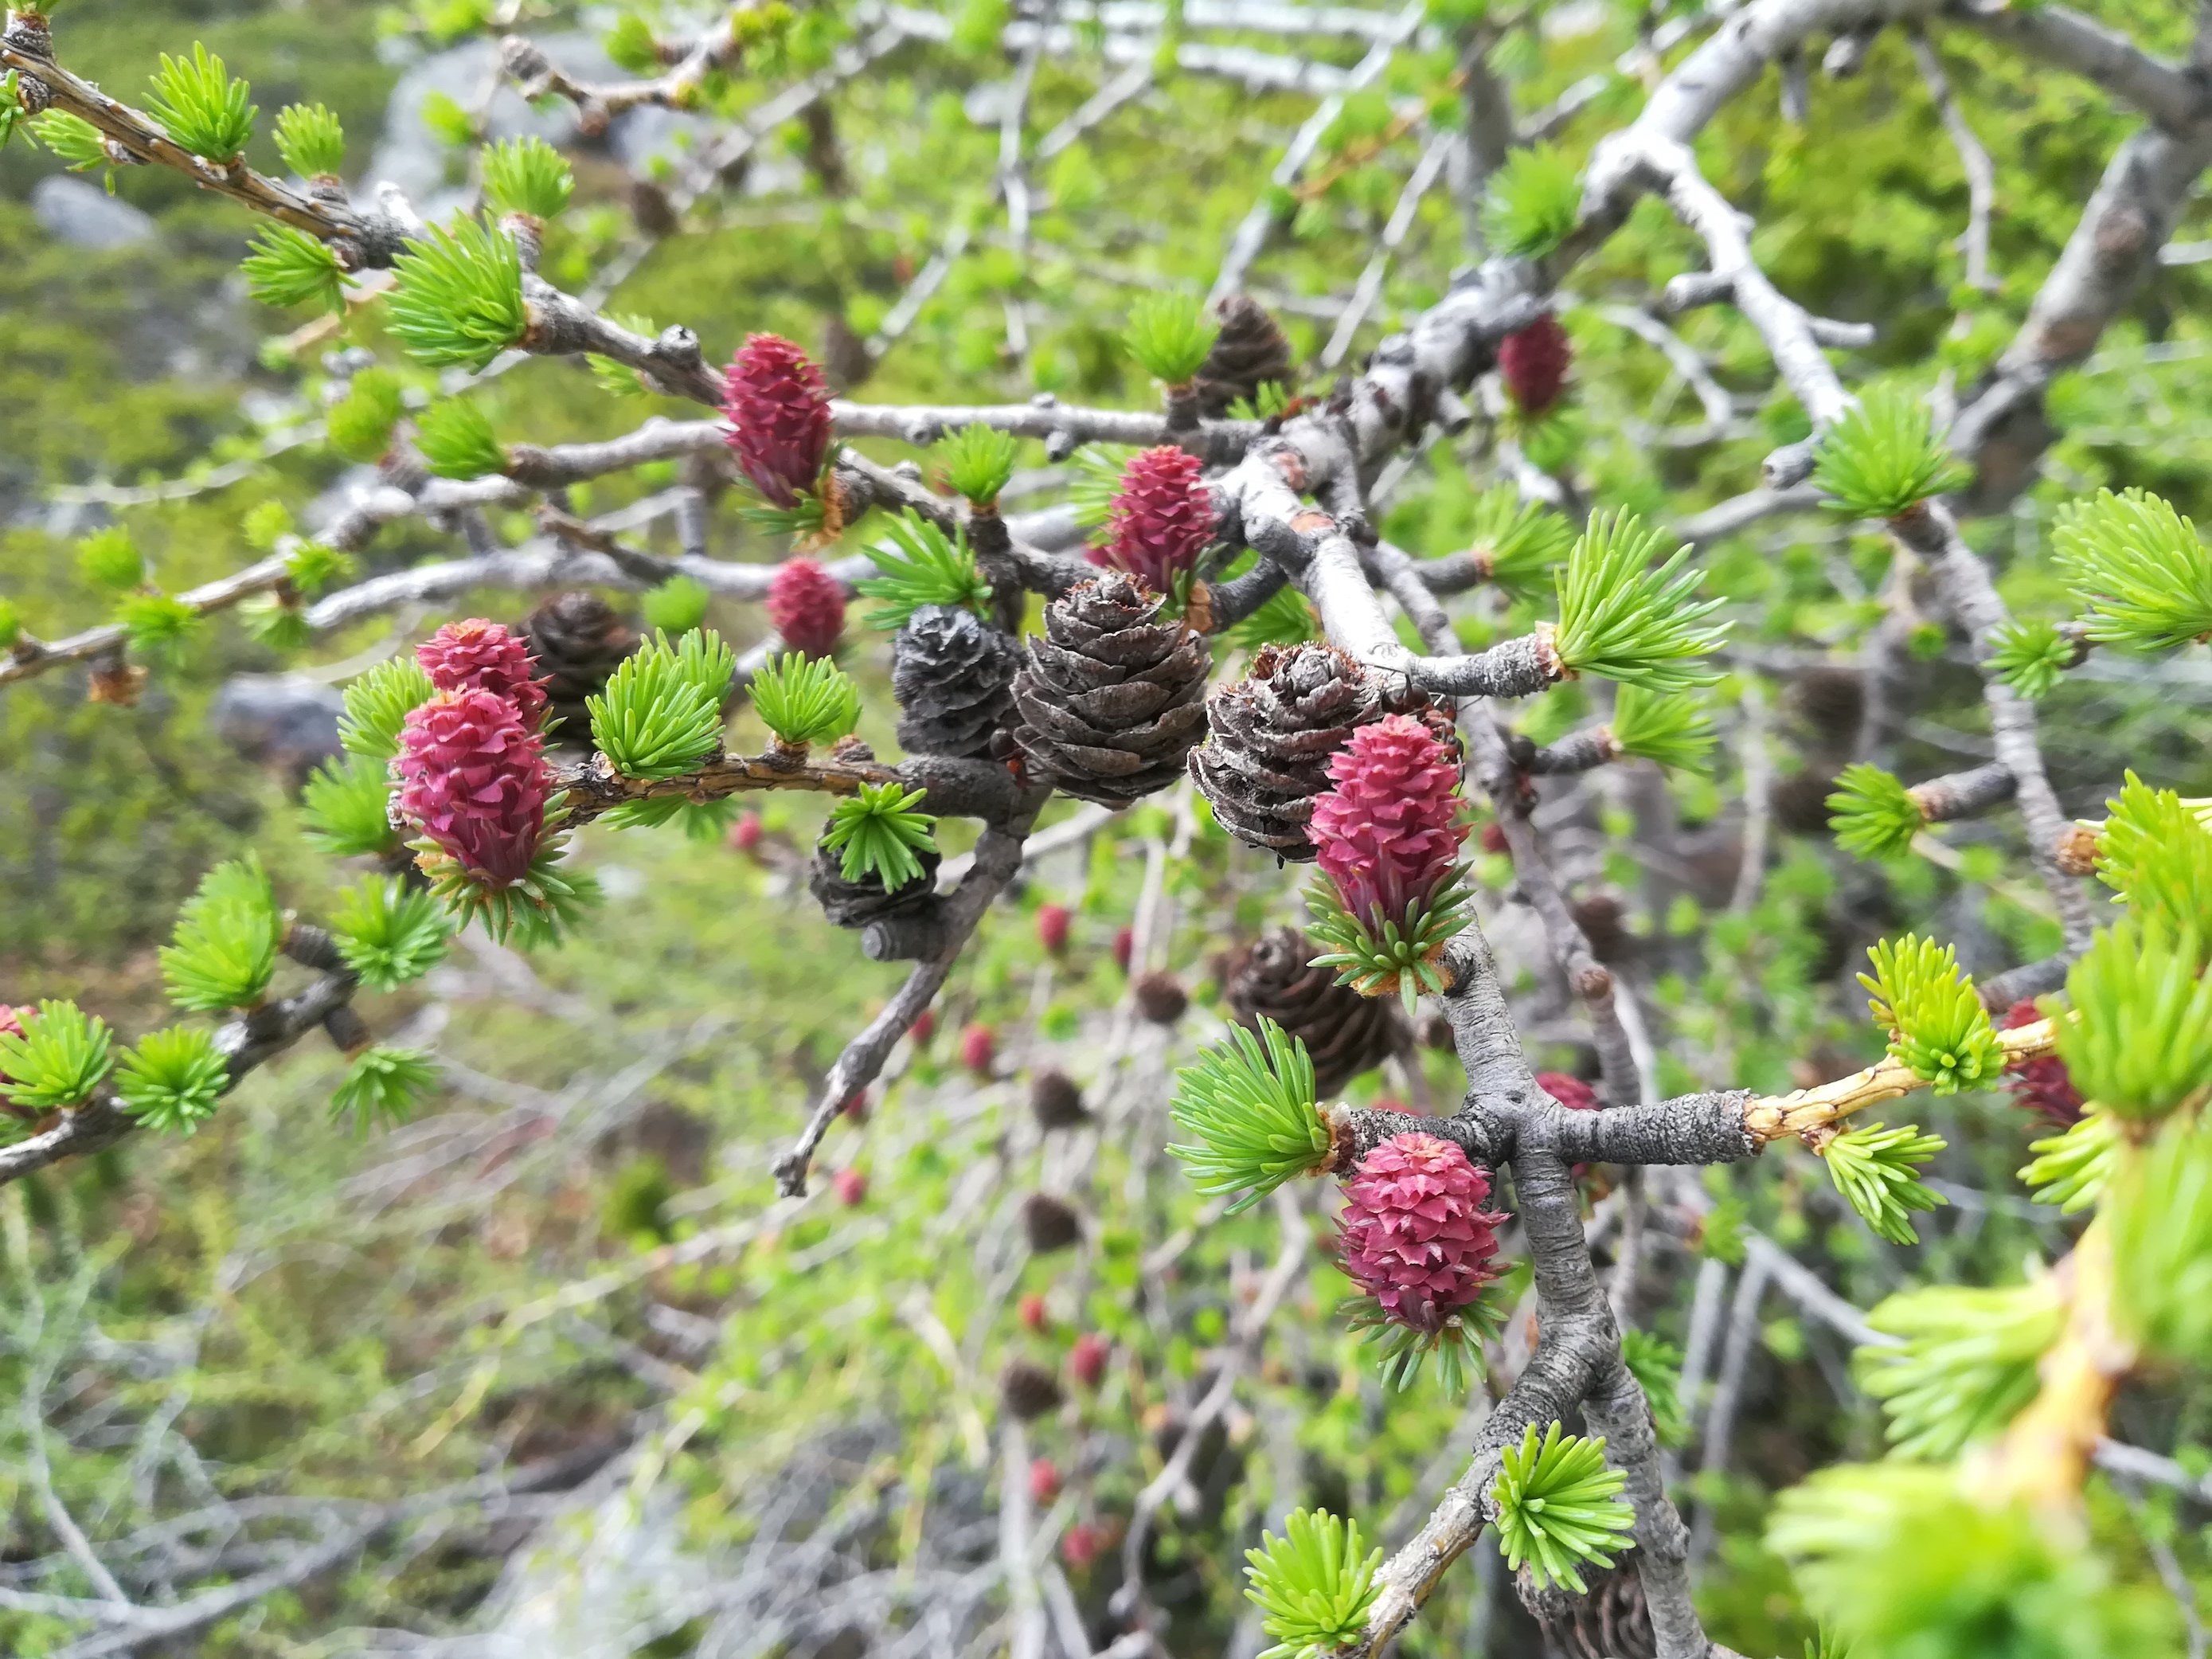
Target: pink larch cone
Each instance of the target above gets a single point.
(1162, 518)
(778, 407)
(1570, 1092)
(807, 603)
(473, 779)
(1387, 834)
(1414, 1234)
(2043, 1086)
(477, 655)
(1534, 364)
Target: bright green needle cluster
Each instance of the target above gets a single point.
(1097, 480)
(344, 808)
(2159, 1205)
(2140, 1044)
(1286, 618)
(1559, 1507)
(677, 605)
(1676, 731)
(1516, 542)
(805, 699)
(157, 624)
(916, 565)
(1873, 814)
(629, 45)
(289, 267)
(311, 567)
(1169, 335)
(358, 425)
(1966, 1363)
(377, 706)
(72, 140)
(877, 833)
(455, 438)
(2138, 569)
(59, 1060)
(1656, 1365)
(109, 558)
(310, 139)
(280, 626)
(382, 1086)
(527, 176)
(1624, 621)
(458, 301)
(2072, 1169)
(979, 460)
(224, 948)
(1877, 1170)
(201, 108)
(388, 933)
(2155, 854)
(1533, 203)
(1937, 1025)
(1311, 1585)
(2030, 656)
(1248, 1109)
(660, 715)
(172, 1081)
(1404, 957)
(1883, 458)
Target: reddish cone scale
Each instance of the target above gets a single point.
(1570, 1092)
(2043, 1084)
(778, 407)
(1052, 921)
(1044, 1481)
(746, 835)
(1161, 518)
(473, 779)
(1385, 833)
(807, 603)
(1079, 1545)
(1033, 1313)
(1414, 1234)
(856, 1106)
(477, 655)
(924, 1028)
(852, 1187)
(1534, 364)
(1087, 1358)
(1125, 945)
(979, 1046)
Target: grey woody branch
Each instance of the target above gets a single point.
(29, 656)
(2167, 94)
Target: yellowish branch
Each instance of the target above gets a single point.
(1772, 1117)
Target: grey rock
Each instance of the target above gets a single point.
(79, 212)
(287, 722)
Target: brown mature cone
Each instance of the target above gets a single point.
(1611, 1622)
(1160, 997)
(1344, 1032)
(578, 639)
(1272, 733)
(1800, 801)
(1029, 1389)
(857, 903)
(1111, 699)
(1250, 350)
(1056, 1102)
(1604, 924)
(1051, 1224)
(1832, 699)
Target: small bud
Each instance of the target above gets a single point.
(1087, 1359)
(1080, 1544)
(1033, 1313)
(979, 1048)
(746, 835)
(806, 605)
(851, 1185)
(1160, 997)
(1044, 1481)
(1493, 838)
(1056, 1102)
(1534, 364)
(1050, 1223)
(856, 1106)
(1028, 1389)
(1125, 942)
(1052, 921)
(924, 1028)
(1570, 1092)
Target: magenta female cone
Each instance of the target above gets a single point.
(477, 655)
(1534, 364)
(1387, 833)
(778, 407)
(1162, 518)
(473, 779)
(807, 603)
(1414, 1234)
